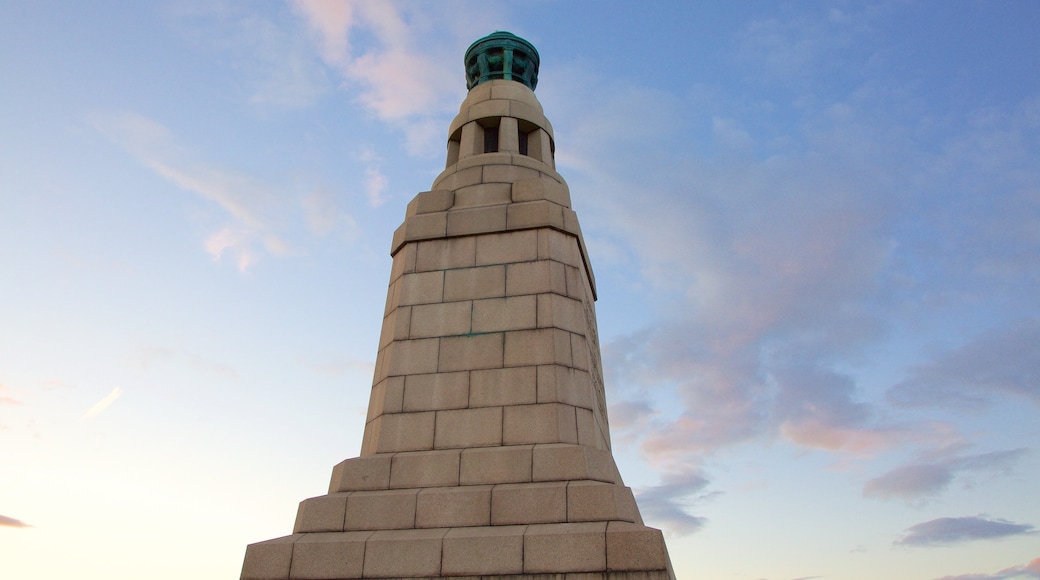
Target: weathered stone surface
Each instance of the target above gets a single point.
(484, 551)
(329, 556)
(555, 548)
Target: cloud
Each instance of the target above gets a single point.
(103, 404)
(1030, 570)
(917, 481)
(401, 70)
(667, 505)
(273, 63)
(5, 398)
(252, 207)
(1001, 362)
(324, 215)
(944, 531)
(12, 523)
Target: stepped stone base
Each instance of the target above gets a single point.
(561, 551)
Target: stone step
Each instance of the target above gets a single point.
(468, 506)
(563, 551)
(474, 466)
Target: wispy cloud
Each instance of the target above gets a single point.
(12, 523)
(251, 206)
(103, 404)
(945, 531)
(668, 504)
(5, 398)
(1030, 570)
(920, 480)
(1004, 361)
(405, 73)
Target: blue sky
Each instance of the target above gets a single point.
(815, 229)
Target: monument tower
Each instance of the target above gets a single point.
(486, 452)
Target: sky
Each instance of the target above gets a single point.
(815, 228)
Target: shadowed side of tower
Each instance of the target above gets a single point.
(486, 451)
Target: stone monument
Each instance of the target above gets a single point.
(486, 452)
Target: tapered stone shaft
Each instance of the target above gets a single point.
(486, 451)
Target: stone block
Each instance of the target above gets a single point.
(404, 553)
(436, 391)
(476, 220)
(592, 501)
(507, 174)
(486, 159)
(498, 314)
(458, 179)
(527, 112)
(490, 108)
(474, 283)
(539, 423)
(497, 550)
(561, 312)
(536, 277)
(439, 319)
(433, 201)
(508, 135)
(403, 432)
(469, 428)
(529, 503)
(420, 288)
(477, 94)
(453, 507)
(537, 347)
(540, 147)
(559, 384)
(504, 248)
(393, 295)
(324, 513)
(577, 284)
(514, 92)
(445, 254)
(626, 505)
(386, 397)
(482, 195)
(395, 326)
(530, 189)
(269, 560)
(471, 142)
(587, 432)
(381, 510)
(410, 357)
(498, 387)
(556, 548)
(399, 238)
(404, 262)
(470, 352)
(635, 547)
(424, 226)
(581, 353)
(329, 556)
(425, 469)
(556, 245)
(561, 462)
(361, 473)
(496, 465)
(534, 214)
